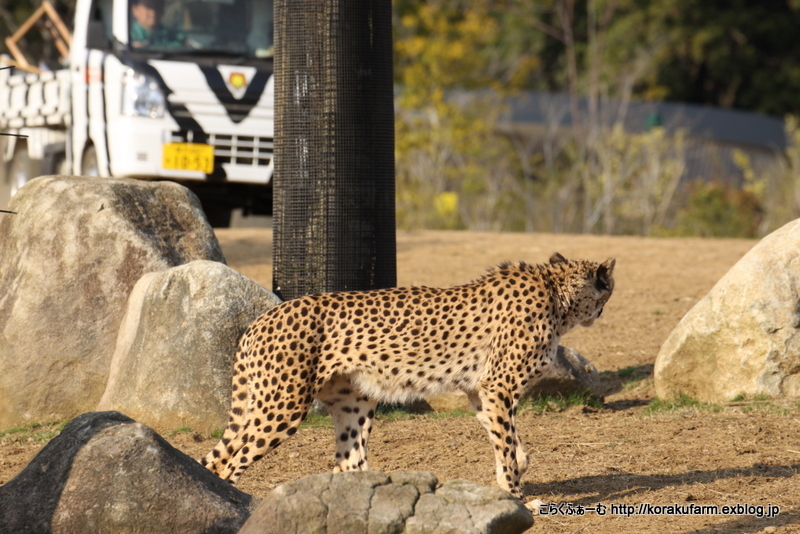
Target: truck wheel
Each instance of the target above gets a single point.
(89, 164)
(218, 216)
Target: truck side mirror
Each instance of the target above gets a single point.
(96, 36)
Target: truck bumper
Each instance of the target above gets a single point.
(134, 151)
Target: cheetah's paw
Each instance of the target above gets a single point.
(534, 506)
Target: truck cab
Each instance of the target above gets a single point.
(166, 89)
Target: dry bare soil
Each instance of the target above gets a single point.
(627, 452)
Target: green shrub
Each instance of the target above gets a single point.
(717, 209)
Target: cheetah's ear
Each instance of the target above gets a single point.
(604, 273)
(557, 258)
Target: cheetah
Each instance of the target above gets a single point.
(487, 338)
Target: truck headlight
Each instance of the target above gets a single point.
(141, 96)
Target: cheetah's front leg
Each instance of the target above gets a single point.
(496, 414)
(522, 456)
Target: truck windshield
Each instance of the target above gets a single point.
(231, 27)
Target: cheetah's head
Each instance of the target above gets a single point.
(588, 286)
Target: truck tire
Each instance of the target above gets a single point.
(218, 216)
(89, 162)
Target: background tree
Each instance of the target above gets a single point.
(454, 171)
(741, 54)
(37, 45)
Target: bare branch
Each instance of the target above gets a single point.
(547, 29)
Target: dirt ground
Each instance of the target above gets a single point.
(742, 453)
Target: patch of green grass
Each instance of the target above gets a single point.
(682, 402)
(629, 372)
(181, 430)
(763, 403)
(399, 412)
(458, 412)
(313, 420)
(558, 403)
(742, 397)
(33, 432)
(217, 434)
(768, 407)
(631, 384)
(385, 412)
(393, 412)
(634, 375)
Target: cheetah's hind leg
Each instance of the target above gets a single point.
(266, 429)
(352, 415)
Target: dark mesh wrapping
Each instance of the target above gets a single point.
(334, 220)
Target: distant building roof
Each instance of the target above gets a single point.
(714, 124)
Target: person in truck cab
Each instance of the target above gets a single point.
(146, 29)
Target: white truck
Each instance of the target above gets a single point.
(152, 89)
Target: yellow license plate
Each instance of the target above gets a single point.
(189, 157)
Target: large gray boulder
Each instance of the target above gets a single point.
(744, 336)
(68, 260)
(371, 502)
(106, 473)
(173, 362)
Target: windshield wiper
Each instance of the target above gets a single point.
(212, 52)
